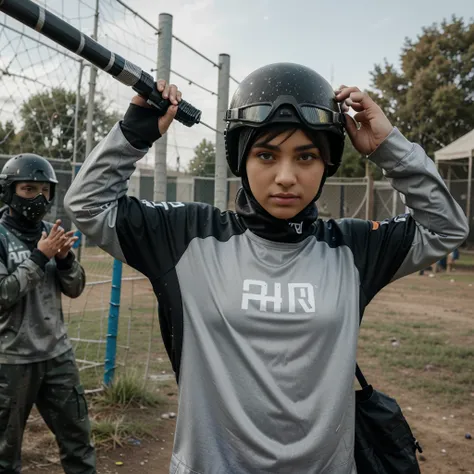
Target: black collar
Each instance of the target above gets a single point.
(263, 224)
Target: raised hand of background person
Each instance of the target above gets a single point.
(374, 126)
(51, 244)
(71, 240)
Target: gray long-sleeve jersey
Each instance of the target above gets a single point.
(262, 335)
(31, 316)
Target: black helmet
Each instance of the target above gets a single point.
(27, 167)
(284, 93)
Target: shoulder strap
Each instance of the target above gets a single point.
(360, 377)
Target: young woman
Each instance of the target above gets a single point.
(260, 308)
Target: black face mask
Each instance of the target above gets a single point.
(33, 210)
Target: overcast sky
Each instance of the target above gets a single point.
(341, 40)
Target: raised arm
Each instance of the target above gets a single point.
(150, 237)
(435, 225)
(440, 224)
(99, 189)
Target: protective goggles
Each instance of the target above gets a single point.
(260, 113)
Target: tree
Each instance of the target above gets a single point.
(431, 99)
(203, 163)
(48, 123)
(353, 163)
(7, 138)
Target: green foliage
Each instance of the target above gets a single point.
(353, 164)
(129, 389)
(7, 138)
(431, 99)
(48, 124)
(203, 163)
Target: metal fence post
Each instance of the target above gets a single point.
(369, 204)
(112, 328)
(91, 103)
(220, 184)
(342, 201)
(165, 38)
(74, 151)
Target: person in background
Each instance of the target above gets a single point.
(37, 365)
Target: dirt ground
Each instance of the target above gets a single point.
(439, 424)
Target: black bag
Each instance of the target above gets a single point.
(384, 442)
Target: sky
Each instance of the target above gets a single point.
(341, 40)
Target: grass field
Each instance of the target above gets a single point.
(416, 344)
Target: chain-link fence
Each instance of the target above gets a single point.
(47, 98)
(57, 105)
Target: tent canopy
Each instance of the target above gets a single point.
(463, 147)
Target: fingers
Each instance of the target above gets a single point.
(60, 243)
(351, 126)
(360, 98)
(166, 91)
(350, 97)
(348, 103)
(160, 85)
(56, 234)
(173, 94)
(56, 230)
(67, 245)
(165, 121)
(71, 242)
(43, 235)
(344, 92)
(361, 116)
(55, 227)
(169, 91)
(344, 107)
(355, 105)
(63, 248)
(354, 97)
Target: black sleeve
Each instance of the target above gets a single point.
(39, 258)
(65, 263)
(154, 236)
(379, 249)
(151, 237)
